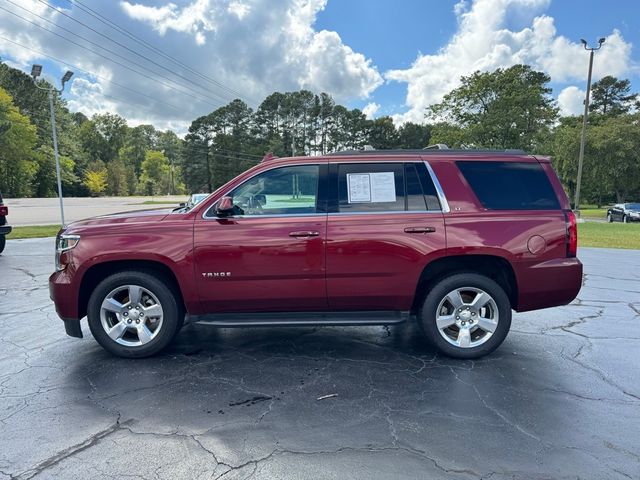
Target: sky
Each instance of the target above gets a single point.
(166, 62)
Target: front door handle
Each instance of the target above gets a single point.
(304, 234)
(420, 229)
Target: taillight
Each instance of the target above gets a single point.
(4, 210)
(572, 234)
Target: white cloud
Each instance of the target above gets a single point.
(571, 101)
(254, 47)
(276, 37)
(370, 109)
(88, 97)
(482, 42)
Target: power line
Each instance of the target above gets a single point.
(92, 74)
(101, 18)
(121, 45)
(181, 89)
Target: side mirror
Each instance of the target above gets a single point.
(224, 207)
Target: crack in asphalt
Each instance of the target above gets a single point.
(68, 452)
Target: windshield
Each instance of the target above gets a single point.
(632, 206)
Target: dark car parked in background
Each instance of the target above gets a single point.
(624, 212)
(4, 228)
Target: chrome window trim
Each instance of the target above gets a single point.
(215, 217)
(443, 200)
(278, 215)
(386, 212)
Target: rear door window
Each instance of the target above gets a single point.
(510, 185)
(371, 187)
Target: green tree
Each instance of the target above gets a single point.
(611, 96)
(413, 135)
(96, 181)
(382, 133)
(449, 134)
(103, 136)
(154, 179)
(17, 157)
(506, 108)
(611, 169)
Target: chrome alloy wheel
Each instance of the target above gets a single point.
(131, 315)
(467, 317)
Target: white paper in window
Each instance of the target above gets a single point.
(359, 187)
(383, 187)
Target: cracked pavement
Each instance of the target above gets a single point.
(559, 399)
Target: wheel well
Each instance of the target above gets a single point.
(95, 274)
(496, 268)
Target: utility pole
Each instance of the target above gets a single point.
(36, 70)
(583, 135)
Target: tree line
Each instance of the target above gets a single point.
(505, 109)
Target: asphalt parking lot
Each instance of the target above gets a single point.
(560, 398)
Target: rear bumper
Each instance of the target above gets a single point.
(65, 297)
(5, 230)
(549, 284)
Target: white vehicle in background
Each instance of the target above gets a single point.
(196, 198)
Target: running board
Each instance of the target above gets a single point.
(291, 319)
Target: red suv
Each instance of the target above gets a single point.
(452, 240)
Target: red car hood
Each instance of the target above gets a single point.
(138, 216)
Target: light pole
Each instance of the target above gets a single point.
(36, 70)
(576, 203)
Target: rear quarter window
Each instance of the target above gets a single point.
(510, 185)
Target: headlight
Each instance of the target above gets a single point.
(64, 243)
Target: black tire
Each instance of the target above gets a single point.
(173, 313)
(428, 313)
(625, 219)
(609, 218)
(3, 242)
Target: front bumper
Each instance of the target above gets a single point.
(5, 230)
(65, 297)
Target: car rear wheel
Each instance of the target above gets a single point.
(134, 314)
(466, 315)
(625, 219)
(3, 242)
(609, 218)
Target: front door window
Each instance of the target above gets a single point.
(281, 191)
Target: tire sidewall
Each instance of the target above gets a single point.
(166, 297)
(3, 242)
(427, 314)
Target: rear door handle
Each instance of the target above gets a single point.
(303, 234)
(420, 229)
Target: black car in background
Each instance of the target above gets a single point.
(4, 228)
(624, 212)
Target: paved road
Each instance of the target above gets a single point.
(46, 211)
(560, 399)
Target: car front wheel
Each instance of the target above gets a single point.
(3, 242)
(466, 315)
(625, 219)
(609, 218)
(133, 314)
